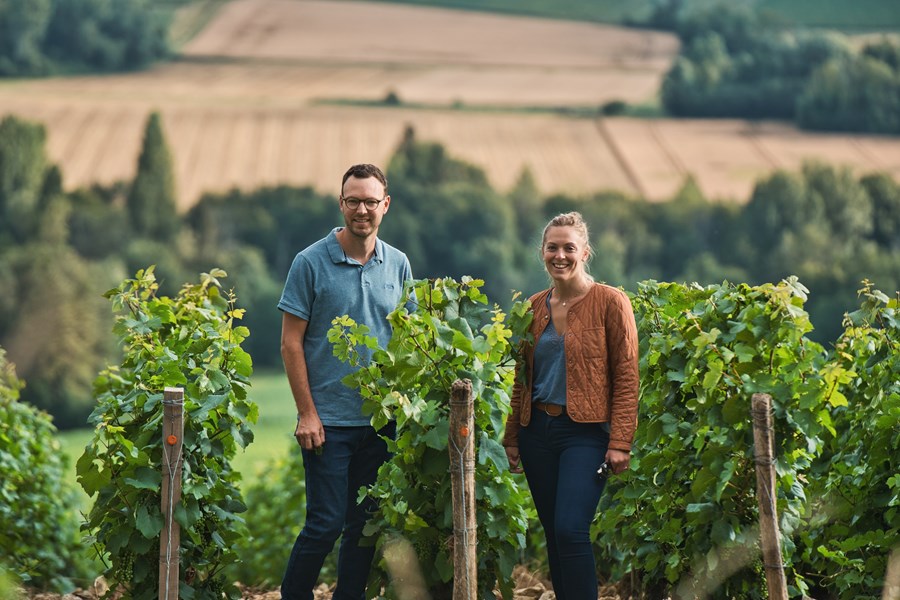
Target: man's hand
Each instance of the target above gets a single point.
(617, 460)
(309, 433)
(512, 455)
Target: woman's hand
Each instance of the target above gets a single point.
(616, 459)
(512, 455)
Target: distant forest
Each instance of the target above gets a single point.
(60, 250)
(739, 62)
(45, 37)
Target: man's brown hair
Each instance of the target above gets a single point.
(364, 171)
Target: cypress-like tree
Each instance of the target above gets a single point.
(151, 201)
(23, 164)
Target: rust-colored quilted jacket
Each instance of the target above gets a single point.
(601, 365)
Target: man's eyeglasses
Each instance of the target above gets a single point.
(370, 203)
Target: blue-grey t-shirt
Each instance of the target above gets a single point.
(549, 381)
(324, 283)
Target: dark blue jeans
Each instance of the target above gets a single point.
(349, 460)
(560, 459)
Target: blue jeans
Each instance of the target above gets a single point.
(560, 458)
(349, 460)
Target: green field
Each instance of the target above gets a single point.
(608, 11)
(862, 15)
(272, 433)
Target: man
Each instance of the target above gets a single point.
(348, 272)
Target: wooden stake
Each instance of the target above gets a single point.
(770, 536)
(462, 478)
(170, 538)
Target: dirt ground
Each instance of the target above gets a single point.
(529, 586)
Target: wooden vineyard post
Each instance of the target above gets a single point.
(170, 538)
(462, 479)
(770, 536)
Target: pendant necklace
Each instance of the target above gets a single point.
(563, 302)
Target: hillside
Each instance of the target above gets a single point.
(287, 91)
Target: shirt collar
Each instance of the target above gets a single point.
(337, 253)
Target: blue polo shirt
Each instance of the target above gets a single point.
(324, 283)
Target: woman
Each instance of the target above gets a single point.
(575, 405)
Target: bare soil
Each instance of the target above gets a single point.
(529, 586)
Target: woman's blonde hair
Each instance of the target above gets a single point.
(576, 221)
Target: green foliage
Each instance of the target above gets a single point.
(448, 333)
(860, 92)
(732, 63)
(255, 236)
(855, 512)
(38, 37)
(190, 341)
(471, 228)
(687, 511)
(885, 194)
(39, 542)
(55, 330)
(23, 166)
(276, 508)
(739, 61)
(279, 221)
(98, 223)
(151, 201)
(576, 10)
(22, 27)
(106, 35)
(8, 590)
(863, 14)
(828, 228)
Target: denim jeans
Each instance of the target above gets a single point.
(349, 460)
(560, 458)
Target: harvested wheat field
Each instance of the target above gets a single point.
(275, 92)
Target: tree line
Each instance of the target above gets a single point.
(61, 250)
(42, 37)
(738, 61)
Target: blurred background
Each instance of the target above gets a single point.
(704, 141)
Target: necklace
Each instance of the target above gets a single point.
(576, 295)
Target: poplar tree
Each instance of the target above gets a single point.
(151, 201)
(23, 165)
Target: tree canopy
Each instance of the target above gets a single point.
(40, 37)
(826, 225)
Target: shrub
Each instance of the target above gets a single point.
(190, 341)
(39, 541)
(448, 332)
(684, 519)
(276, 509)
(855, 512)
